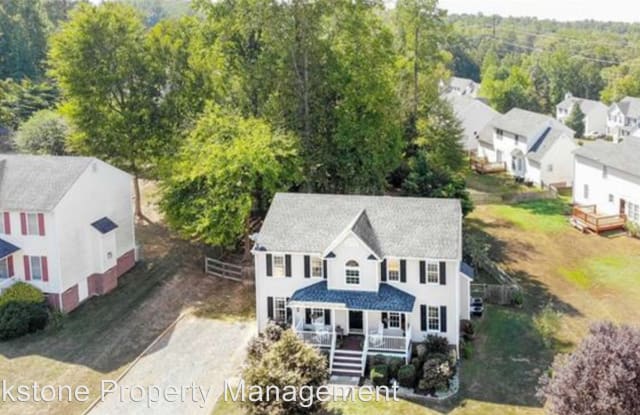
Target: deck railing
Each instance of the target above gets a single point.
(483, 166)
(387, 343)
(588, 217)
(317, 338)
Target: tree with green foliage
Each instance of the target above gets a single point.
(46, 132)
(229, 168)
(575, 120)
(507, 88)
(24, 27)
(285, 362)
(113, 89)
(428, 180)
(20, 100)
(621, 81)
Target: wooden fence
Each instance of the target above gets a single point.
(221, 269)
(502, 293)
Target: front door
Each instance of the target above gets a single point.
(623, 206)
(355, 321)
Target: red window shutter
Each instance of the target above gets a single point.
(10, 265)
(7, 223)
(45, 269)
(27, 268)
(23, 223)
(41, 223)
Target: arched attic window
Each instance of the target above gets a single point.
(352, 272)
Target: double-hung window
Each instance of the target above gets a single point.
(317, 316)
(33, 228)
(394, 320)
(36, 268)
(4, 268)
(433, 272)
(352, 272)
(433, 318)
(316, 267)
(280, 309)
(634, 212)
(278, 265)
(393, 269)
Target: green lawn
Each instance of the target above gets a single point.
(546, 216)
(495, 184)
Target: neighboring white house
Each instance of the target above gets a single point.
(595, 114)
(66, 226)
(460, 86)
(474, 115)
(623, 118)
(534, 147)
(381, 272)
(607, 175)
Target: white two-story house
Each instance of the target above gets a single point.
(361, 275)
(66, 226)
(607, 178)
(474, 115)
(533, 147)
(595, 114)
(623, 118)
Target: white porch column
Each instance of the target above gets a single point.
(333, 320)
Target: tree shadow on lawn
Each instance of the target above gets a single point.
(108, 332)
(499, 248)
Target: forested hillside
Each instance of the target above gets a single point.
(531, 63)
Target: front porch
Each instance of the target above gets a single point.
(353, 324)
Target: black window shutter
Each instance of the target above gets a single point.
(289, 320)
(327, 317)
(443, 273)
(269, 266)
(324, 269)
(287, 265)
(383, 270)
(307, 266)
(403, 321)
(384, 320)
(443, 319)
(423, 272)
(403, 270)
(270, 308)
(307, 316)
(423, 318)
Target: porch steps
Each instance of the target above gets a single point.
(347, 363)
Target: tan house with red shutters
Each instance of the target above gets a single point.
(66, 226)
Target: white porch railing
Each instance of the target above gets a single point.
(387, 343)
(317, 338)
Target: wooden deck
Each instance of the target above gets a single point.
(587, 218)
(482, 166)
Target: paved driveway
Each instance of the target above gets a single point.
(183, 373)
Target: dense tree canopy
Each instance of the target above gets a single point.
(229, 168)
(46, 132)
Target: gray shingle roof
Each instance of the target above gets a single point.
(622, 156)
(387, 298)
(7, 249)
(474, 115)
(586, 105)
(37, 183)
(362, 228)
(545, 142)
(403, 226)
(630, 106)
(525, 123)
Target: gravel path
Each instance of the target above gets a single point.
(197, 351)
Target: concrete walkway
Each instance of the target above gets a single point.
(183, 373)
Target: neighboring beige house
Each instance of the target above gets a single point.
(66, 226)
(595, 114)
(623, 118)
(534, 147)
(380, 272)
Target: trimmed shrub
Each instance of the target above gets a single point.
(436, 374)
(417, 363)
(421, 351)
(379, 375)
(407, 376)
(379, 359)
(395, 363)
(467, 329)
(23, 309)
(436, 344)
